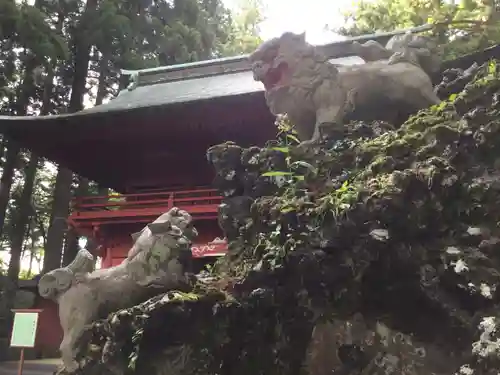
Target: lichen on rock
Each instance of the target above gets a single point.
(375, 252)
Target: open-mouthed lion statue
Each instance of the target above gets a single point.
(157, 262)
(301, 82)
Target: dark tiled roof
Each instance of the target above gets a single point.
(182, 91)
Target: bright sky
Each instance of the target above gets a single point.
(311, 16)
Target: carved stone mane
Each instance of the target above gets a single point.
(300, 81)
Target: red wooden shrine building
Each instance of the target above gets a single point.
(149, 144)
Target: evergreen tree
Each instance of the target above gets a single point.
(244, 37)
(461, 26)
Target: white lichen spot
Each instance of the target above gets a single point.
(253, 160)
(487, 345)
(449, 181)
(380, 234)
(486, 291)
(230, 175)
(460, 266)
(465, 370)
(229, 193)
(474, 231)
(389, 362)
(452, 250)
(421, 352)
(279, 180)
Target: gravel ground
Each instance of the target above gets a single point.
(41, 367)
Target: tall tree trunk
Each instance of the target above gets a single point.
(11, 161)
(23, 219)
(58, 217)
(60, 207)
(62, 192)
(71, 246)
(81, 57)
(25, 92)
(103, 76)
(32, 255)
(101, 94)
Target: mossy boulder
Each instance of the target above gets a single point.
(376, 252)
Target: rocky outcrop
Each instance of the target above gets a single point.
(375, 252)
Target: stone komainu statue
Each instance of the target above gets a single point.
(157, 262)
(301, 82)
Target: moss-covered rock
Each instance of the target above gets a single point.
(376, 252)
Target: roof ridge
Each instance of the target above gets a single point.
(176, 67)
(206, 68)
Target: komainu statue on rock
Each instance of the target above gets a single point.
(156, 263)
(316, 94)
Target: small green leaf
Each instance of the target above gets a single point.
(303, 164)
(276, 173)
(492, 67)
(452, 97)
(293, 138)
(284, 150)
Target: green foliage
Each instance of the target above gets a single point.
(287, 136)
(461, 26)
(36, 35)
(244, 33)
(25, 275)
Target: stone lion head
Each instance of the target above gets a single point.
(290, 69)
(272, 59)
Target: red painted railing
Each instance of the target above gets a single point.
(142, 207)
